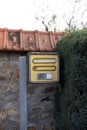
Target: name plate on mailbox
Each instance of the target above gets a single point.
(43, 67)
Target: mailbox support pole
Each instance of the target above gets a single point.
(23, 93)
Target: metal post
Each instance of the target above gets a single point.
(23, 93)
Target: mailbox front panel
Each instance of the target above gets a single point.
(43, 68)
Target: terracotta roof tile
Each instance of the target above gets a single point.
(21, 40)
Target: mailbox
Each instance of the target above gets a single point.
(43, 67)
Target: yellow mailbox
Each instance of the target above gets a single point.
(43, 67)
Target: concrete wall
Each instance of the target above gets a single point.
(40, 97)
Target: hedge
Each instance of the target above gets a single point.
(71, 103)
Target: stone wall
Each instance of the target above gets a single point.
(9, 91)
(40, 97)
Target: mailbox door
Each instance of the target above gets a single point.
(43, 68)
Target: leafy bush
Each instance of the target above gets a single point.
(72, 101)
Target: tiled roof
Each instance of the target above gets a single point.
(21, 40)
